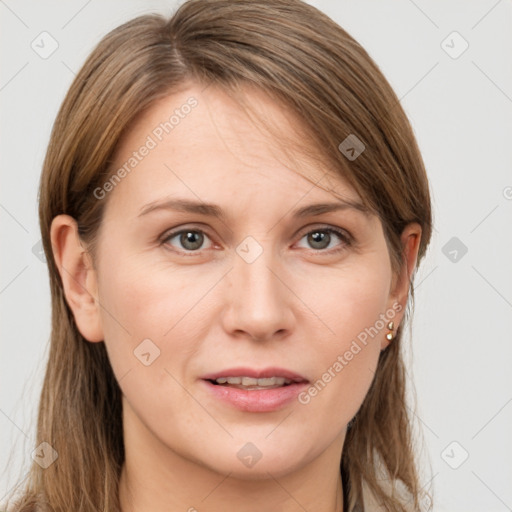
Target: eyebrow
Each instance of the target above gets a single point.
(213, 210)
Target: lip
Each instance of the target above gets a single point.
(263, 373)
(257, 400)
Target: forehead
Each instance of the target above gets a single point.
(200, 142)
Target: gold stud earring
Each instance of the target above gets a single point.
(390, 334)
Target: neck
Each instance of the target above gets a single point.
(157, 478)
(273, 495)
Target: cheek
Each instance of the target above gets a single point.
(150, 328)
(354, 307)
(354, 299)
(142, 301)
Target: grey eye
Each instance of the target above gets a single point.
(319, 239)
(189, 239)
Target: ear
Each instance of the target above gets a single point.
(410, 241)
(78, 277)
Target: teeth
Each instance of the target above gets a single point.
(251, 381)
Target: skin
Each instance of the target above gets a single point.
(297, 306)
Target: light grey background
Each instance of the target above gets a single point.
(460, 107)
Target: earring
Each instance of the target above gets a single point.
(390, 334)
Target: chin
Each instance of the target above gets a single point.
(246, 461)
(260, 471)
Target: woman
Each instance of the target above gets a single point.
(232, 206)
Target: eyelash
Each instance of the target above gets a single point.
(344, 236)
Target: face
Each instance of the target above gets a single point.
(210, 266)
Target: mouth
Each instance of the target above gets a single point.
(249, 378)
(251, 382)
(253, 390)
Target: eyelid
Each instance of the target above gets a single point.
(325, 227)
(342, 233)
(171, 233)
(346, 238)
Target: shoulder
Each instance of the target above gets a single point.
(397, 489)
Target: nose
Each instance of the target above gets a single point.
(259, 301)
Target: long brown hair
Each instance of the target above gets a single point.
(312, 66)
